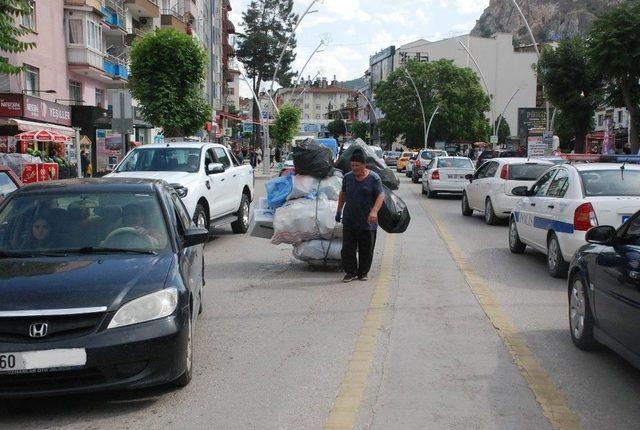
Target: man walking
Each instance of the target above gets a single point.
(361, 197)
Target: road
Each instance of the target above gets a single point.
(450, 332)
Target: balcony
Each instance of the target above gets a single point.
(174, 17)
(95, 64)
(116, 68)
(114, 16)
(143, 8)
(132, 35)
(94, 4)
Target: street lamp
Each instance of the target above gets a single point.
(505, 109)
(315, 51)
(484, 81)
(435, 112)
(424, 117)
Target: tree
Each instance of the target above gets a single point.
(359, 130)
(504, 132)
(337, 127)
(10, 32)
(614, 48)
(441, 83)
(267, 25)
(167, 71)
(285, 125)
(572, 85)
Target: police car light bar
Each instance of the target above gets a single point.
(601, 158)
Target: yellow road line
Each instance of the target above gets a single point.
(553, 404)
(346, 408)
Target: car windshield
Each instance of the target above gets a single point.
(407, 154)
(429, 155)
(6, 184)
(161, 160)
(48, 222)
(526, 172)
(616, 182)
(456, 163)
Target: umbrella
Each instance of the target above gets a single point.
(42, 136)
(481, 144)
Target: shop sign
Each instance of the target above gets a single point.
(531, 119)
(46, 111)
(10, 105)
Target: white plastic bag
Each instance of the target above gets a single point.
(319, 250)
(308, 186)
(301, 220)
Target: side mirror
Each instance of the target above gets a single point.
(602, 235)
(195, 236)
(520, 191)
(469, 177)
(215, 168)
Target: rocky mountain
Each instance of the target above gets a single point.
(549, 19)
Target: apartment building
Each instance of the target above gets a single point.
(316, 98)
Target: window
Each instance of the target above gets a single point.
(5, 84)
(541, 187)
(317, 116)
(620, 117)
(318, 107)
(75, 92)
(75, 34)
(31, 79)
(29, 20)
(181, 213)
(316, 96)
(223, 158)
(100, 98)
(600, 120)
(559, 185)
(94, 33)
(306, 105)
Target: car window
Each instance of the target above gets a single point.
(559, 185)
(209, 157)
(492, 169)
(632, 235)
(6, 184)
(459, 163)
(611, 182)
(527, 172)
(181, 213)
(406, 154)
(427, 155)
(480, 173)
(430, 165)
(223, 158)
(541, 187)
(164, 159)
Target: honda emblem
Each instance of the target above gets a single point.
(38, 329)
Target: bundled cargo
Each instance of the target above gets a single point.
(319, 252)
(394, 215)
(278, 189)
(302, 220)
(374, 163)
(312, 159)
(261, 224)
(310, 187)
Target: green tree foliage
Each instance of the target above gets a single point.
(572, 84)
(267, 24)
(10, 32)
(504, 132)
(614, 48)
(167, 71)
(337, 128)
(285, 125)
(456, 90)
(360, 130)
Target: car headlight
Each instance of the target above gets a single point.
(146, 308)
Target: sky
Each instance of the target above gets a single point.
(357, 29)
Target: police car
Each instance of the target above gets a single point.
(554, 215)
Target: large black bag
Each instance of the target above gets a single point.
(312, 159)
(393, 216)
(374, 163)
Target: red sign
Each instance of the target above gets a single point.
(30, 173)
(10, 105)
(28, 107)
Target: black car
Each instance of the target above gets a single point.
(100, 284)
(604, 290)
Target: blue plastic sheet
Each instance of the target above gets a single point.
(332, 144)
(277, 191)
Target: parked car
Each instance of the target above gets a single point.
(446, 175)
(604, 290)
(489, 190)
(555, 214)
(391, 158)
(485, 155)
(214, 186)
(422, 160)
(9, 182)
(102, 284)
(401, 164)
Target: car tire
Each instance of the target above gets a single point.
(200, 217)
(184, 379)
(489, 214)
(515, 244)
(556, 265)
(430, 194)
(241, 225)
(466, 209)
(581, 321)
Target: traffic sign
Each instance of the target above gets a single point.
(494, 140)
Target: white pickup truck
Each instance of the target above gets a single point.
(215, 188)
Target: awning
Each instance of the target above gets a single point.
(24, 125)
(42, 136)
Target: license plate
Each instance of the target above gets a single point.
(42, 360)
(457, 177)
(625, 218)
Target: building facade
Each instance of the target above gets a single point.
(316, 99)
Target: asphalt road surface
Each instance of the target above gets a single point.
(450, 332)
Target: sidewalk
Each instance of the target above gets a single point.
(259, 173)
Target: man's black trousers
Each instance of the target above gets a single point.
(362, 243)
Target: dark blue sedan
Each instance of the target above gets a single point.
(100, 285)
(604, 290)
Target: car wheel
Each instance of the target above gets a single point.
(466, 209)
(581, 321)
(200, 217)
(489, 215)
(241, 225)
(515, 244)
(555, 262)
(430, 194)
(185, 378)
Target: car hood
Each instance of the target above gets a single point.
(79, 281)
(170, 177)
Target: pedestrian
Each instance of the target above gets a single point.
(253, 159)
(361, 198)
(84, 163)
(278, 154)
(258, 156)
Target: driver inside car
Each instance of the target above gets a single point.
(133, 217)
